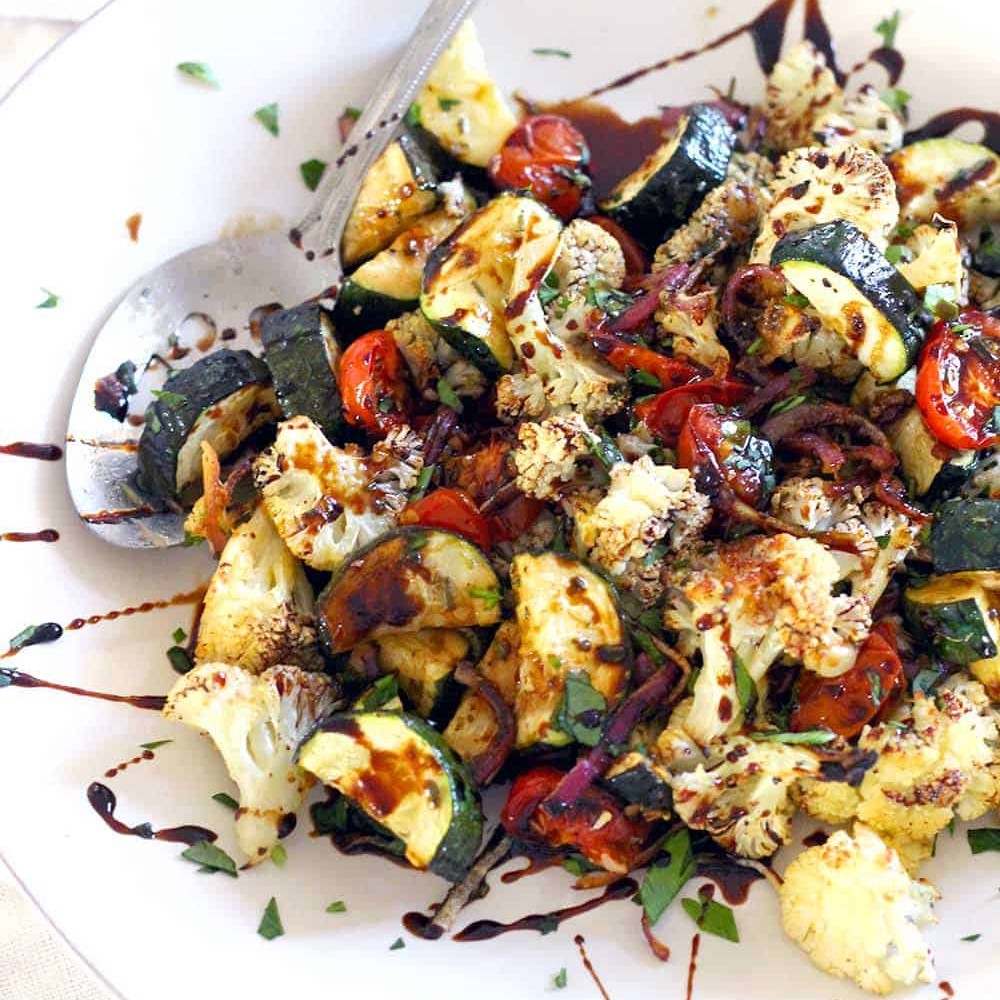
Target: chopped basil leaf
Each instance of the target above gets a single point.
(581, 711)
(352, 112)
(491, 597)
(416, 542)
(898, 254)
(897, 99)
(199, 71)
(312, 173)
(154, 745)
(784, 405)
(971, 937)
(549, 288)
(882, 541)
(578, 865)
(329, 817)
(796, 299)
(609, 300)
(645, 642)
(270, 924)
(191, 540)
(562, 53)
(225, 799)
(448, 396)
(209, 856)
(279, 855)
(179, 635)
(984, 839)
(809, 738)
(380, 693)
(665, 879)
(168, 398)
(755, 347)
(397, 944)
(268, 117)
(904, 231)
(447, 103)
(887, 28)
(940, 300)
(559, 979)
(179, 659)
(337, 906)
(746, 689)
(412, 116)
(50, 301)
(712, 917)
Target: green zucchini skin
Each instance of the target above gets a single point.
(192, 392)
(842, 248)
(952, 615)
(668, 192)
(302, 354)
(965, 536)
(456, 849)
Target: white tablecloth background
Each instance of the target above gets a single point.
(34, 963)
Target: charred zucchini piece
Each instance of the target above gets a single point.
(857, 292)
(636, 779)
(929, 470)
(663, 192)
(388, 285)
(569, 624)
(424, 663)
(301, 350)
(222, 399)
(402, 774)
(400, 187)
(965, 536)
(468, 281)
(408, 580)
(954, 615)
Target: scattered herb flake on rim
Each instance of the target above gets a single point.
(559, 979)
(225, 799)
(971, 937)
(210, 857)
(50, 301)
(337, 906)
(448, 396)
(178, 635)
(562, 53)
(270, 926)
(155, 745)
(983, 839)
(268, 117)
(199, 71)
(397, 944)
(279, 855)
(312, 173)
(887, 28)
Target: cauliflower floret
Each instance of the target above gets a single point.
(675, 750)
(258, 608)
(587, 253)
(741, 797)
(854, 910)
(547, 454)
(936, 259)
(256, 722)
(814, 185)
(429, 357)
(863, 120)
(645, 505)
(691, 321)
(800, 88)
(753, 600)
(325, 501)
(833, 802)
(896, 538)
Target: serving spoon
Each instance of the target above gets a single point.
(217, 287)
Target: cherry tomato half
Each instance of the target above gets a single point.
(716, 445)
(671, 372)
(546, 155)
(373, 384)
(958, 381)
(846, 704)
(513, 519)
(666, 413)
(595, 824)
(452, 510)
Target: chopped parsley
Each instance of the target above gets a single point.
(665, 879)
(896, 253)
(413, 115)
(712, 917)
(168, 398)
(154, 745)
(746, 689)
(397, 944)
(887, 28)
(351, 112)
(268, 117)
(559, 979)
(809, 738)
(337, 906)
(971, 937)
(50, 301)
(897, 99)
(491, 597)
(581, 710)
(984, 839)
(312, 173)
(210, 857)
(179, 659)
(199, 71)
(279, 855)
(270, 926)
(225, 799)
(447, 103)
(562, 53)
(448, 396)
(179, 635)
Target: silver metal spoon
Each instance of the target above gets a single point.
(226, 281)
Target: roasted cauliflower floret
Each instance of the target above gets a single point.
(258, 608)
(833, 802)
(756, 599)
(690, 320)
(675, 750)
(428, 357)
(853, 909)
(547, 454)
(256, 722)
(325, 501)
(741, 796)
(934, 257)
(896, 537)
(814, 185)
(800, 89)
(863, 120)
(587, 255)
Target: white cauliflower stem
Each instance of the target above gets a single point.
(256, 722)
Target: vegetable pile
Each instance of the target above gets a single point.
(679, 509)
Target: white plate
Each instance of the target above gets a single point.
(105, 128)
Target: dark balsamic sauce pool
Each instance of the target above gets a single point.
(104, 802)
(28, 449)
(45, 535)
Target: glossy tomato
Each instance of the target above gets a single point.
(846, 704)
(546, 155)
(620, 354)
(452, 510)
(595, 824)
(666, 413)
(958, 381)
(373, 383)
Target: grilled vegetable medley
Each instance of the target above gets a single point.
(677, 505)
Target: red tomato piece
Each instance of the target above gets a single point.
(666, 413)
(545, 155)
(514, 518)
(846, 704)
(372, 383)
(595, 824)
(958, 381)
(452, 510)
(671, 372)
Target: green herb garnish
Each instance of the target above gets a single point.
(199, 71)
(168, 398)
(896, 254)
(984, 839)
(447, 103)
(784, 405)
(312, 173)
(796, 299)
(337, 906)
(279, 855)
(50, 301)
(665, 879)
(578, 865)
(559, 979)
(562, 53)
(746, 689)
(582, 709)
(179, 659)
(897, 99)
(491, 597)
(971, 937)
(268, 117)
(448, 396)
(712, 917)
(940, 301)
(209, 856)
(179, 635)
(225, 799)
(270, 924)
(808, 738)
(156, 744)
(397, 944)
(887, 28)
(413, 115)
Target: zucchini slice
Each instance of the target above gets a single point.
(301, 350)
(408, 580)
(856, 292)
(569, 622)
(467, 288)
(953, 614)
(929, 469)
(965, 536)
(424, 663)
(222, 399)
(461, 107)
(388, 285)
(959, 180)
(400, 187)
(636, 779)
(670, 184)
(402, 774)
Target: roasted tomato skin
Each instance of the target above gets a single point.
(515, 518)
(958, 381)
(545, 155)
(621, 355)
(666, 413)
(452, 510)
(718, 446)
(373, 383)
(614, 843)
(846, 704)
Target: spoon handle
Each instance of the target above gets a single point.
(321, 228)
